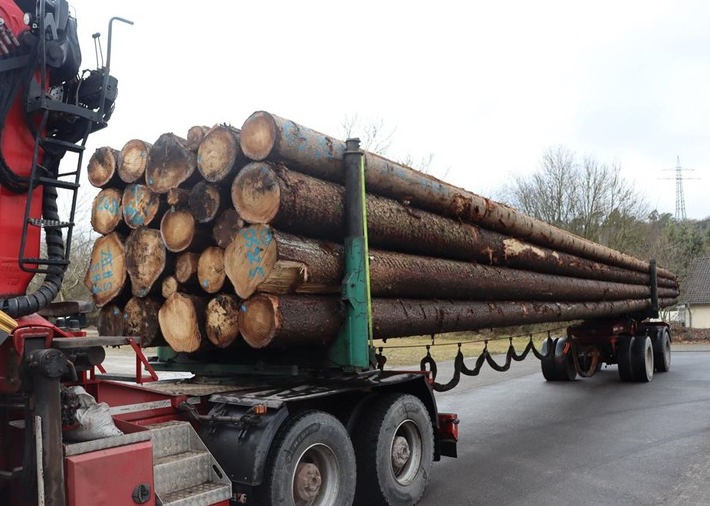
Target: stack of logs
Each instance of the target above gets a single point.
(230, 233)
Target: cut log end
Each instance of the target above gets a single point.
(218, 153)
(103, 165)
(180, 319)
(141, 320)
(204, 202)
(226, 227)
(250, 258)
(222, 320)
(106, 211)
(177, 228)
(210, 269)
(106, 274)
(170, 163)
(256, 193)
(169, 286)
(145, 260)
(195, 135)
(133, 160)
(110, 321)
(140, 205)
(259, 319)
(258, 136)
(186, 267)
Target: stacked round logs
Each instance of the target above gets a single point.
(234, 232)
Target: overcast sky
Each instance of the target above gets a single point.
(485, 87)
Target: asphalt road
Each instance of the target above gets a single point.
(524, 441)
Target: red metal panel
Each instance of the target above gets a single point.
(109, 477)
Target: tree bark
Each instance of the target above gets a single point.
(206, 200)
(102, 170)
(107, 212)
(133, 161)
(106, 275)
(219, 153)
(170, 164)
(266, 136)
(300, 204)
(285, 321)
(210, 269)
(222, 320)
(226, 227)
(182, 322)
(141, 206)
(110, 321)
(179, 231)
(146, 260)
(141, 319)
(195, 135)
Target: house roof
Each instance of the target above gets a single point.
(697, 284)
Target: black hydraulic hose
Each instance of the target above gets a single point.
(23, 305)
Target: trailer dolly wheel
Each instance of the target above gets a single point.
(311, 463)
(662, 350)
(558, 367)
(623, 357)
(641, 355)
(394, 446)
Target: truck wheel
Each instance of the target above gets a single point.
(662, 350)
(394, 446)
(552, 370)
(623, 357)
(311, 462)
(642, 359)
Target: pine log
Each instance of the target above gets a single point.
(179, 231)
(140, 206)
(177, 197)
(102, 170)
(170, 164)
(195, 135)
(110, 321)
(266, 136)
(265, 260)
(106, 211)
(169, 286)
(186, 267)
(141, 320)
(298, 320)
(303, 205)
(222, 320)
(106, 276)
(226, 227)
(146, 260)
(219, 153)
(206, 200)
(133, 161)
(210, 269)
(182, 322)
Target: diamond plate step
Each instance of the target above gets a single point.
(170, 438)
(199, 495)
(183, 470)
(185, 473)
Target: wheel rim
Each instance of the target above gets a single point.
(315, 477)
(648, 362)
(406, 452)
(667, 352)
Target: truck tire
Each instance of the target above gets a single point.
(623, 357)
(311, 462)
(641, 359)
(394, 447)
(552, 368)
(662, 350)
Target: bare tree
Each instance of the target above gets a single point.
(373, 134)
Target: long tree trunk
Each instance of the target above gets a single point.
(219, 153)
(266, 136)
(300, 204)
(170, 164)
(285, 321)
(222, 320)
(141, 315)
(106, 276)
(102, 170)
(146, 260)
(265, 260)
(133, 161)
(107, 211)
(182, 322)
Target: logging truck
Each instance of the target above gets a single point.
(237, 264)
